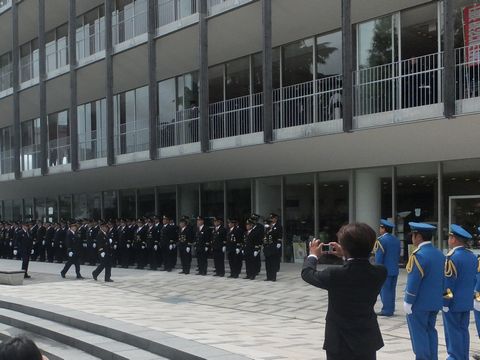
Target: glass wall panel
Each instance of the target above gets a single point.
(58, 139)
(5, 71)
(237, 79)
(127, 204)
(92, 123)
(268, 196)
(166, 101)
(374, 42)
(8, 209)
(257, 73)
(30, 144)
(28, 210)
(188, 200)
(239, 199)
(146, 202)
(167, 202)
(6, 150)
(80, 206)
(29, 60)
(329, 54)
(65, 207)
(276, 67)
(91, 32)
(187, 91)
(110, 205)
(40, 209)
(129, 19)
(216, 83)
(94, 205)
(212, 199)
(298, 62)
(52, 210)
(17, 210)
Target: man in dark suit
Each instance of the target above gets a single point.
(234, 247)
(351, 330)
(24, 242)
(219, 242)
(272, 243)
(202, 245)
(185, 242)
(105, 253)
(74, 246)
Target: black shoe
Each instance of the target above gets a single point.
(221, 275)
(247, 277)
(181, 272)
(252, 278)
(267, 280)
(80, 277)
(108, 280)
(26, 276)
(215, 275)
(94, 276)
(62, 275)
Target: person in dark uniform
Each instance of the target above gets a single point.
(202, 245)
(104, 250)
(219, 246)
(141, 244)
(168, 240)
(24, 243)
(112, 235)
(74, 246)
(123, 250)
(59, 243)
(258, 233)
(152, 245)
(83, 235)
(234, 248)
(351, 329)
(33, 234)
(49, 243)
(158, 257)
(252, 246)
(186, 237)
(93, 230)
(41, 231)
(272, 242)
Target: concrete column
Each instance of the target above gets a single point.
(351, 197)
(152, 81)
(448, 58)
(72, 50)
(42, 70)
(109, 81)
(347, 66)
(394, 197)
(203, 74)
(440, 202)
(367, 197)
(267, 71)
(16, 95)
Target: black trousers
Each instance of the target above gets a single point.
(169, 257)
(202, 258)
(25, 260)
(152, 258)
(105, 263)
(251, 264)
(186, 259)
(219, 261)
(271, 266)
(74, 260)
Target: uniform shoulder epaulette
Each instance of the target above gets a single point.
(450, 268)
(378, 246)
(413, 261)
(415, 251)
(451, 252)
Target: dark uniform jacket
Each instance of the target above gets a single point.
(103, 243)
(219, 238)
(234, 239)
(202, 239)
(185, 237)
(352, 293)
(273, 236)
(73, 242)
(252, 241)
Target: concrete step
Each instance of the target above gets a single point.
(50, 348)
(96, 345)
(164, 345)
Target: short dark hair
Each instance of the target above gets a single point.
(357, 239)
(387, 229)
(19, 348)
(426, 235)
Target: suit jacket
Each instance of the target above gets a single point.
(387, 253)
(352, 293)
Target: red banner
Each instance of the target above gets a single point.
(471, 34)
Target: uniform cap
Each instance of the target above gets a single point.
(421, 227)
(232, 220)
(200, 217)
(250, 221)
(458, 231)
(218, 218)
(386, 223)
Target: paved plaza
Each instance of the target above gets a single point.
(256, 319)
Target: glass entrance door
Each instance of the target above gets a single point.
(465, 211)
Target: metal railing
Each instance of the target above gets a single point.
(130, 141)
(467, 72)
(6, 80)
(28, 68)
(59, 151)
(399, 85)
(5, 4)
(183, 129)
(6, 161)
(92, 146)
(239, 116)
(90, 42)
(308, 103)
(58, 57)
(169, 11)
(30, 157)
(131, 22)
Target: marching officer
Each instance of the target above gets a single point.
(219, 241)
(152, 245)
(49, 242)
(24, 243)
(424, 291)
(83, 235)
(234, 247)
(74, 246)
(387, 253)
(185, 243)
(141, 244)
(92, 242)
(58, 240)
(272, 243)
(202, 245)
(252, 245)
(104, 250)
(168, 240)
(461, 268)
(157, 228)
(112, 235)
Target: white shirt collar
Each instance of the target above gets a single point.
(424, 243)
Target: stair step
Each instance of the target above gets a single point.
(50, 348)
(99, 346)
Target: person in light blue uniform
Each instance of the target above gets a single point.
(424, 292)
(460, 280)
(387, 253)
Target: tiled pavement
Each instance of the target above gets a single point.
(260, 320)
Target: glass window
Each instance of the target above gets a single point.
(52, 210)
(237, 79)
(65, 206)
(257, 73)
(50, 51)
(375, 42)
(58, 138)
(40, 209)
(419, 31)
(127, 204)
(187, 91)
(167, 201)
(215, 83)
(146, 202)
(329, 54)
(30, 144)
(6, 150)
(17, 210)
(298, 62)
(5, 71)
(80, 206)
(188, 200)
(62, 45)
(239, 199)
(166, 101)
(276, 68)
(212, 199)
(110, 205)
(28, 210)
(268, 195)
(7, 209)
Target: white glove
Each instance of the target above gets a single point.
(94, 245)
(445, 309)
(115, 247)
(206, 249)
(15, 252)
(70, 254)
(43, 242)
(243, 252)
(85, 245)
(255, 253)
(110, 241)
(170, 247)
(224, 248)
(32, 252)
(237, 251)
(407, 308)
(187, 250)
(143, 247)
(476, 305)
(10, 244)
(128, 246)
(60, 246)
(279, 246)
(155, 247)
(53, 245)
(102, 254)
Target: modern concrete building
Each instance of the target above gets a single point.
(322, 111)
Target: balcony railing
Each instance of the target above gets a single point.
(56, 55)
(91, 39)
(29, 67)
(6, 161)
(130, 141)
(169, 11)
(31, 157)
(183, 129)
(6, 80)
(92, 146)
(467, 72)
(59, 151)
(239, 116)
(308, 103)
(130, 22)
(400, 85)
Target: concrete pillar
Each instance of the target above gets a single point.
(109, 81)
(347, 65)
(16, 94)
(72, 48)
(42, 83)
(267, 71)
(152, 81)
(449, 58)
(367, 197)
(203, 74)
